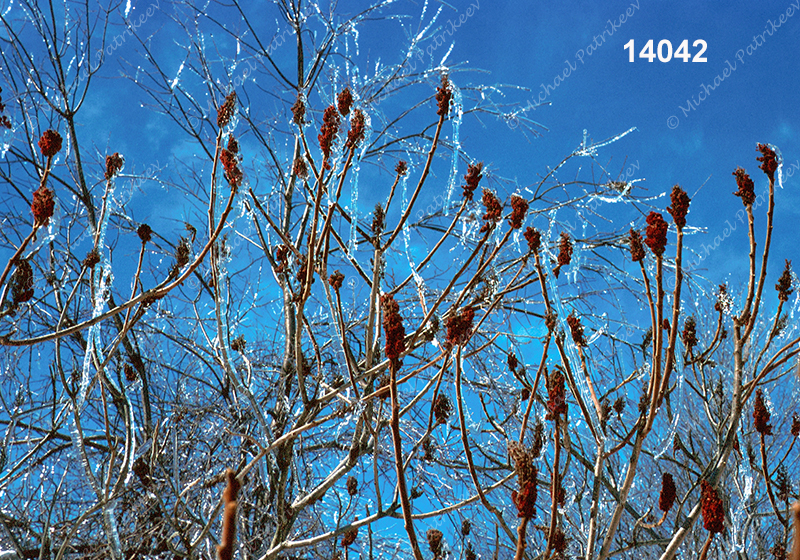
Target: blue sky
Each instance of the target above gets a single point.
(531, 44)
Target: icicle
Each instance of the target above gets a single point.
(127, 9)
(422, 17)
(591, 150)
(353, 209)
(407, 237)
(178, 75)
(447, 54)
(668, 441)
(778, 157)
(80, 454)
(577, 256)
(102, 284)
(458, 109)
(354, 31)
(112, 533)
(740, 515)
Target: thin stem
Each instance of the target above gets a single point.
(554, 487)
(765, 472)
(706, 546)
(398, 462)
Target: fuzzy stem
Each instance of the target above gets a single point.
(796, 540)
(554, 486)
(523, 525)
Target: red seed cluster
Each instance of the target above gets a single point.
(689, 335)
(559, 542)
(226, 110)
(778, 551)
(519, 207)
(302, 271)
(401, 168)
(282, 258)
(378, 220)
(92, 259)
(667, 496)
(527, 474)
(550, 321)
(564, 252)
(459, 327)
(132, 375)
(434, 537)
(721, 296)
(393, 327)
(784, 285)
(534, 239)
(443, 95)
(711, 508)
(556, 396)
(336, 280)
(114, 164)
(352, 485)
(761, 415)
(43, 206)
(327, 134)
(538, 439)
(22, 282)
(49, 143)
(680, 206)
(523, 462)
(513, 362)
(344, 101)
(238, 344)
(230, 159)
(356, 133)
(746, 187)
(494, 209)
(577, 329)
(299, 111)
(769, 160)
(637, 249)
(795, 430)
(300, 169)
(144, 232)
(473, 177)
(442, 407)
(525, 499)
(656, 233)
(4, 122)
(350, 537)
